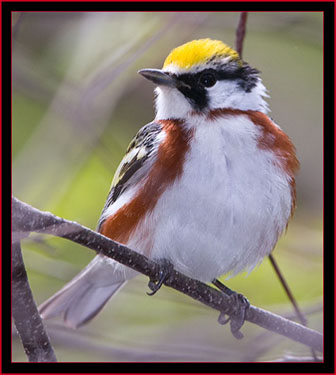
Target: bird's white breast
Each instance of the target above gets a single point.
(227, 210)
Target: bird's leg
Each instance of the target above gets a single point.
(166, 268)
(240, 304)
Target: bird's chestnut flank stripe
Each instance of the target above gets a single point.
(166, 169)
(273, 138)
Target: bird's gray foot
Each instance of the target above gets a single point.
(166, 268)
(240, 304)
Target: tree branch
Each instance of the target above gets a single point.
(28, 219)
(26, 317)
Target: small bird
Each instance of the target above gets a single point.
(208, 185)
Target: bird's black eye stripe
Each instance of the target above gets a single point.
(229, 75)
(194, 86)
(246, 76)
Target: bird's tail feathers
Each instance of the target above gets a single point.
(85, 295)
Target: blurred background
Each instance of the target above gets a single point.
(78, 101)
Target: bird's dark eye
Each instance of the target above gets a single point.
(208, 79)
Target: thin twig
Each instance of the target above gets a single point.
(291, 297)
(27, 320)
(27, 219)
(284, 283)
(240, 33)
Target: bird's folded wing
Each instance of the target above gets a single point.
(136, 163)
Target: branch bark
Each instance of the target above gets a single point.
(26, 317)
(28, 219)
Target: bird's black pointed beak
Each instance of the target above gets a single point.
(159, 77)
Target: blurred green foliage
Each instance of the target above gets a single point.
(78, 101)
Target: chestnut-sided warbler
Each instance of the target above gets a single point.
(207, 185)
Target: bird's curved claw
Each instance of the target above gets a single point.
(166, 268)
(237, 319)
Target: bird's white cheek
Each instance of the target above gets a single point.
(170, 103)
(228, 94)
(219, 95)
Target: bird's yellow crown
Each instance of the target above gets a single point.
(199, 52)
